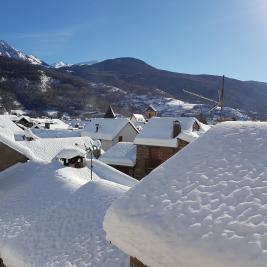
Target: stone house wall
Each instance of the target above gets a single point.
(9, 156)
(150, 157)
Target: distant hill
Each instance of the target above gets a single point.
(128, 84)
(127, 73)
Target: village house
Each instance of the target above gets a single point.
(17, 145)
(138, 120)
(121, 156)
(150, 112)
(110, 131)
(205, 206)
(25, 121)
(51, 124)
(110, 114)
(161, 138)
(10, 154)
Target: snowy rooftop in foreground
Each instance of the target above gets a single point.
(52, 215)
(205, 206)
(122, 154)
(158, 131)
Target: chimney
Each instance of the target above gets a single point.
(176, 128)
(96, 127)
(47, 125)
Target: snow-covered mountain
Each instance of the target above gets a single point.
(90, 62)
(60, 64)
(7, 50)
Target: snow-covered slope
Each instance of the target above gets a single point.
(60, 64)
(90, 62)
(206, 206)
(8, 51)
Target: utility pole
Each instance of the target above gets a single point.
(222, 98)
(91, 164)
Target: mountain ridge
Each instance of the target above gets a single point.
(123, 81)
(9, 51)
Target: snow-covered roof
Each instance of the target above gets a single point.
(69, 153)
(25, 117)
(108, 128)
(17, 146)
(138, 118)
(50, 133)
(18, 112)
(205, 206)
(158, 131)
(8, 131)
(52, 216)
(29, 133)
(8, 128)
(54, 124)
(151, 107)
(121, 154)
(48, 148)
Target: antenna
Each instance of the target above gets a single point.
(200, 96)
(218, 103)
(222, 97)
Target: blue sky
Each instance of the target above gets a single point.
(190, 36)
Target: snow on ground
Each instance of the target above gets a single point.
(44, 81)
(51, 215)
(205, 206)
(122, 154)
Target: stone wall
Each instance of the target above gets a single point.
(149, 157)
(135, 263)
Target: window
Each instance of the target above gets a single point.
(120, 138)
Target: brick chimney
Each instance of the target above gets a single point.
(47, 125)
(96, 127)
(176, 128)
